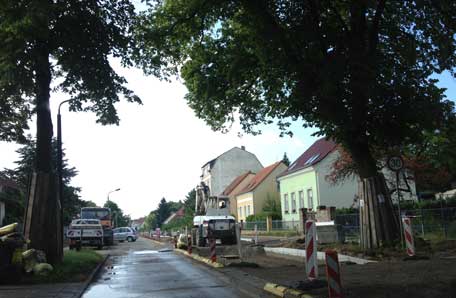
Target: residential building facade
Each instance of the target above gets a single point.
(237, 185)
(219, 172)
(304, 184)
(261, 188)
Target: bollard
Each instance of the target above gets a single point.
(213, 250)
(189, 244)
(256, 234)
(238, 239)
(408, 235)
(333, 274)
(311, 250)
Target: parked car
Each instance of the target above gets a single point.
(125, 233)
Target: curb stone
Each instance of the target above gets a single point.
(201, 259)
(284, 292)
(92, 276)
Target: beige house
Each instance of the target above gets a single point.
(236, 186)
(252, 198)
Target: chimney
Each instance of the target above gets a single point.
(243, 147)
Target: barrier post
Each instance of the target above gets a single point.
(333, 274)
(408, 235)
(256, 234)
(189, 244)
(311, 250)
(213, 250)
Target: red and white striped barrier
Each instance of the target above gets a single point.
(408, 235)
(189, 244)
(311, 250)
(333, 274)
(212, 243)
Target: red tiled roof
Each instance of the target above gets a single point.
(313, 155)
(139, 220)
(259, 177)
(8, 183)
(229, 189)
(180, 212)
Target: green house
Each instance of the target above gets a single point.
(304, 184)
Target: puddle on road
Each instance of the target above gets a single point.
(145, 252)
(98, 291)
(165, 250)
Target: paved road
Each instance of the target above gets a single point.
(140, 269)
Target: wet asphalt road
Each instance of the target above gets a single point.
(139, 269)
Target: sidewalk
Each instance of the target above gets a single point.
(434, 278)
(59, 290)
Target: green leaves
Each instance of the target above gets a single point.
(81, 37)
(353, 71)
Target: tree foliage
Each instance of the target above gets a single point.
(119, 218)
(353, 69)
(78, 37)
(21, 176)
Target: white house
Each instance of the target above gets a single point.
(219, 172)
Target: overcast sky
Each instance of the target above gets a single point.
(156, 151)
(158, 148)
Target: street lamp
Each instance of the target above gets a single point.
(60, 167)
(117, 189)
(60, 154)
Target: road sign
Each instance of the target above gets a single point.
(395, 163)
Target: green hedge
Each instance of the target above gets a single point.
(262, 216)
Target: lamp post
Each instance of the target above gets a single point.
(60, 153)
(117, 189)
(60, 167)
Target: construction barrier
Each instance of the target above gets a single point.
(212, 244)
(189, 244)
(311, 250)
(408, 235)
(333, 274)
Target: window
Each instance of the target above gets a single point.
(310, 198)
(248, 210)
(293, 202)
(301, 199)
(285, 203)
(240, 211)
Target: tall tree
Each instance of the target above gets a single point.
(21, 176)
(120, 219)
(163, 211)
(285, 159)
(360, 71)
(68, 42)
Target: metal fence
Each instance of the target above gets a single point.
(430, 224)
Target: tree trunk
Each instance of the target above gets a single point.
(43, 225)
(379, 226)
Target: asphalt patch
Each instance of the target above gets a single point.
(308, 284)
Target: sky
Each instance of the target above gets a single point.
(157, 150)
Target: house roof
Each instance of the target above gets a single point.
(8, 183)
(229, 189)
(313, 155)
(259, 177)
(179, 213)
(139, 221)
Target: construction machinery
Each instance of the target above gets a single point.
(85, 232)
(212, 218)
(104, 215)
